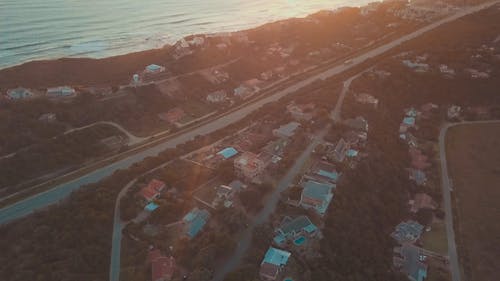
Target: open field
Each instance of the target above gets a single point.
(473, 153)
(435, 240)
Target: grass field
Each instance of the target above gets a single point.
(473, 153)
(435, 240)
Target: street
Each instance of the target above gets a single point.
(44, 199)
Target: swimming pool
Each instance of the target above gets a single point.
(299, 241)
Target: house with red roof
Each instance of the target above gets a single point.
(418, 159)
(249, 165)
(162, 268)
(153, 190)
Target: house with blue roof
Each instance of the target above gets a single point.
(273, 264)
(411, 261)
(19, 94)
(316, 195)
(323, 172)
(407, 232)
(293, 229)
(154, 68)
(194, 222)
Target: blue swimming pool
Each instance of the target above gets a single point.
(299, 241)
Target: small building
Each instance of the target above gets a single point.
(227, 152)
(286, 131)
(217, 96)
(273, 264)
(154, 69)
(249, 166)
(418, 176)
(61, 92)
(418, 160)
(410, 261)
(47, 117)
(194, 221)
(358, 123)
(316, 195)
(366, 99)
(244, 92)
(340, 151)
(421, 201)
(409, 122)
(173, 115)
(454, 112)
(301, 112)
(19, 94)
(416, 66)
(153, 190)
(407, 232)
(290, 229)
(324, 172)
(162, 268)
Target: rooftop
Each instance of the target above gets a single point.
(287, 130)
(276, 257)
(228, 152)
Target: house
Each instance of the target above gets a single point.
(276, 148)
(366, 99)
(273, 264)
(217, 96)
(340, 151)
(286, 131)
(291, 229)
(197, 41)
(324, 172)
(172, 116)
(358, 123)
(224, 194)
(162, 268)
(153, 190)
(244, 92)
(194, 221)
(444, 69)
(417, 67)
(249, 166)
(421, 201)
(316, 195)
(47, 117)
(410, 261)
(407, 232)
(354, 138)
(227, 152)
(408, 122)
(454, 112)
(61, 92)
(301, 112)
(154, 69)
(418, 176)
(19, 94)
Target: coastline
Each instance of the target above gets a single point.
(111, 70)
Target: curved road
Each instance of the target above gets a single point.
(447, 188)
(132, 140)
(44, 199)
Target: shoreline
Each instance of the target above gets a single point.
(172, 41)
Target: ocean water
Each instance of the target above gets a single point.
(42, 29)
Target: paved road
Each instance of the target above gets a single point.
(27, 206)
(118, 225)
(336, 117)
(246, 239)
(447, 188)
(132, 140)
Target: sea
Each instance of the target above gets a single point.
(47, 29)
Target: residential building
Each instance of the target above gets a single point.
(366, 99)
(273, 264)
(244, 92)
(249, 166)
(291, 229)
(194, 221)
(162, 268)
(61, 92)
(301, 112)
(19, 94)
(217, 97)
(154, 69)
(324, 172)
(286, 131)
(340, 151)
(418, 159)
(454, 112)
(47, 117)
(421, 201)
(173, 115)
(316, 195)
(416, 66)
(411, 261)
(418, 176)
(407, 232)
(358, 123)
(355, 138)
(153, 190)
